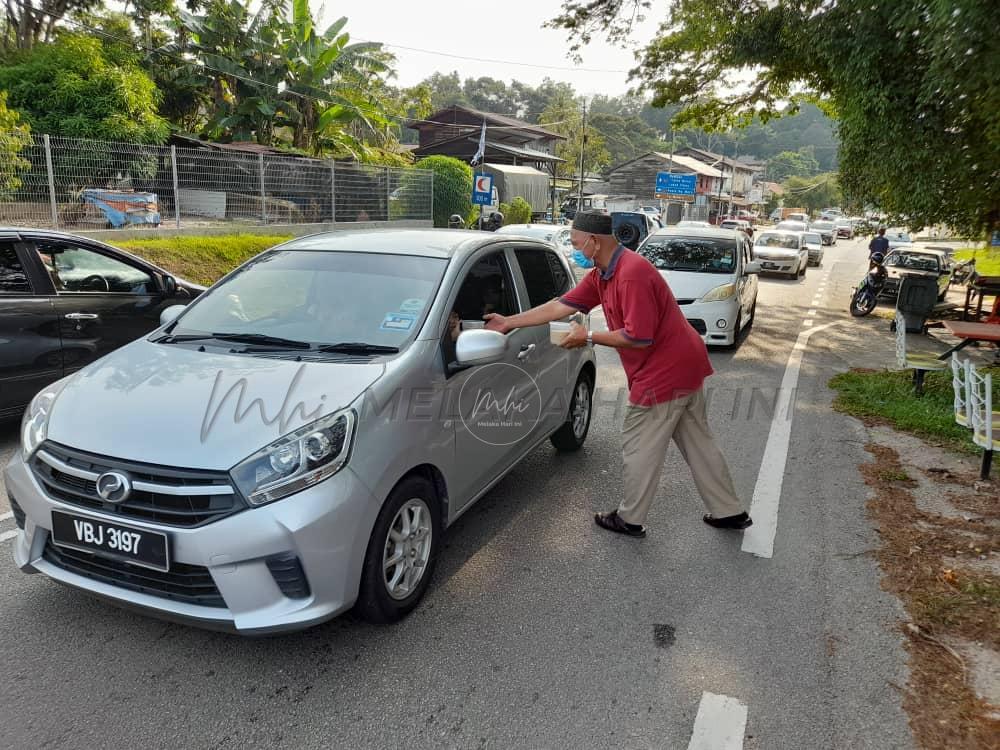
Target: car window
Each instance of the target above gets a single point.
(487, 288)
(768, 239)
(813, 238)
(321, 297)
(913, 262)
(699, 254)
(544, 276)
(13, 279)
(74, 268)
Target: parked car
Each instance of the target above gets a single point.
(781, 251)
(712, 275)
(792, 226)
(898, 239)
(845, 228)
(296, 441)
(804, 218)
(66, 301)
(827, 230)
(690, 223)
(557, 235)
(918, 262)
(814, 247)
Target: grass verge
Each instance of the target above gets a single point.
(886, 396)
(987, 259)
(201, 259)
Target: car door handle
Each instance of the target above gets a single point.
(526, 351)
(81, 316)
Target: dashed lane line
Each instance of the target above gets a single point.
(4, 536)
(759, 539)
(720, 724)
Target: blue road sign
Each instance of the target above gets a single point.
(995, 239)
(482, 189)
(675, 186)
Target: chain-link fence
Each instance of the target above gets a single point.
(74, 184)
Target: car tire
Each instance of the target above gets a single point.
(737, 333)
(407, 503)
(573, 433)
(802, 269)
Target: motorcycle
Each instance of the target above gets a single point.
(866, 295)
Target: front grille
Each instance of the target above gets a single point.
(159, 493)
(288, 574)
(191, 584)
(699, 325)
(17, 511)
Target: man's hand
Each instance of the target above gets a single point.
(496, 322)
(576, 337)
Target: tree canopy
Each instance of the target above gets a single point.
(913, 85)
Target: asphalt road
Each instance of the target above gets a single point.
(540, 630)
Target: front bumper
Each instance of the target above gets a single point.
(778, 263)
(705, 316)
(326, 527)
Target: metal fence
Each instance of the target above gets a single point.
(74, 184)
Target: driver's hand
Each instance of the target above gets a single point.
(496, 322)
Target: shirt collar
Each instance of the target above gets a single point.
(613, 263)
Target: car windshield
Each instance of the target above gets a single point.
(822, 225)
(700, 254)
(771, 239)
(319, 298)
(813, 239)
(913, 261)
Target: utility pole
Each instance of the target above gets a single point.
(583, 148)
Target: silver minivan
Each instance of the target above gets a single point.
(295, 442)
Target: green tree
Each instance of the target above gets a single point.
(14, 137)
(912, 84)
(518, 211)
(452, 187)
(789, 163)
(564, 116)
(813, 193)
(71, 88)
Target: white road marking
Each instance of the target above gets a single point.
(720, 724)
(5, 516)
(4, 536)
(759, 539)
(811, 313)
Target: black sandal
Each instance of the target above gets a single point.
(737, 522)
(613, 522)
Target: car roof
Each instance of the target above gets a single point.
(706, 232)
(428, 243)
(780, 231)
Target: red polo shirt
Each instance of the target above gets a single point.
(638, 303)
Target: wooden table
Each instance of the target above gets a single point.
(981, 287)
(969, 332)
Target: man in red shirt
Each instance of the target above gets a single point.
(666, 363)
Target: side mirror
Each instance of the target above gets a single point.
(480, 347)
(752, 267)
(169, 286)
(169, 314)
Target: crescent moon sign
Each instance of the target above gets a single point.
(482, 184)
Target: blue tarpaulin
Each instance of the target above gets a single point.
(121, 208)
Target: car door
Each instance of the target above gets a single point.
(747, 281)
(102, 300)
(494, 408)
(544, 278)
(30, 346)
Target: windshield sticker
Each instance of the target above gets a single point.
(414, 305)
(398, 322)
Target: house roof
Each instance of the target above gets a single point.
(440, 118)
(472, 142)
(710, 157)
(687, 162)
(774, 187)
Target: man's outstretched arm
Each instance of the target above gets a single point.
(536, 316)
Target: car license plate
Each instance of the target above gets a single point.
(768, 265)
(141, 547)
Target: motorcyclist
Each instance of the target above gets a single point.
(879, 243)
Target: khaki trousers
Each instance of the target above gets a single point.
(646, 436)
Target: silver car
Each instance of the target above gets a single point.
(295, 442)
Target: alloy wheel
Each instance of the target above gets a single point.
(407, 548)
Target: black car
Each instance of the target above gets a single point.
(66, 301)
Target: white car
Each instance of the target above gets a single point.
(781, 251)
(713, 276)
(790, 225)
(689, 223)
(554, 234)
(814, 247)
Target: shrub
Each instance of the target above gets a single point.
(452, 187)
(519, 212)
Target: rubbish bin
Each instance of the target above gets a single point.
(917, 298)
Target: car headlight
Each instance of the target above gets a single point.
(720, 293)
(298, 460)
(35, 423)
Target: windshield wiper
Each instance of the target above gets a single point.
(357, 347)
(237, 338)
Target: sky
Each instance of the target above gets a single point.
(509, 31)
